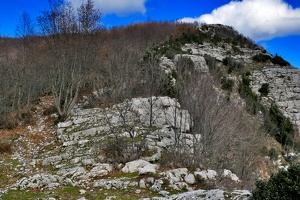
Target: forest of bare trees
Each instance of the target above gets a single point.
(70, 54)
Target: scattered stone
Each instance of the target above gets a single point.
(206, 174)
(232, 176)
(147, 170)
(163, 193)
(64, 124)
(138, 191)
(88, 162)
(190, 179)
(157, 185)
(100, 170)
(82, 191)
(142, 183)
(175, 175)
(38, 181)
(51, 160)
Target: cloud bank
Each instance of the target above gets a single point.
(119, 7)
(257, 19)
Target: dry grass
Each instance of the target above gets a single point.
(5, 146)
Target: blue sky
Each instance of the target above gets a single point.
(274, 24)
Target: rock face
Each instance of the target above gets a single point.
(284, 86)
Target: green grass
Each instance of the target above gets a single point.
(67, 192)
(133, 175)
(73, 193)
(7, 173)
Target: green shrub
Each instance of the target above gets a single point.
(185, 67)
(232, 65)
(285, 185)
(237, 50)
(279, 61)
(261, 58)
(264, 90)
(168, 88)
(273, 154)
(251, 99)
(227, 84)
(284, 132)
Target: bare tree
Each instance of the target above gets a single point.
(69, 49)
(25, 27)
(89, 17)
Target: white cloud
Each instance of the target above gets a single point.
(119, 7)
(258, 19)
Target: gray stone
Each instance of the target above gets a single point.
(147, 170)
(142, 183)
(38, 181)
(64, 124)
(163, 193)
(156, 186)
(206, 174)
(51, 160)
(89, 161)
(189, 179)
(134, 166)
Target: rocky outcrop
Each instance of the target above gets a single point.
(284, 87)
(77, 161)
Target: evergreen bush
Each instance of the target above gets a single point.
(279, 61)
(285, 185)
(227, 84)
(264, 90)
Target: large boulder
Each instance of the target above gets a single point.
(139, 166)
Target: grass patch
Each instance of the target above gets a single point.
(7, 173)
(73, 193)
(119, 174)
(68, 192)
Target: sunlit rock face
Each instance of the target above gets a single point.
(284, 89)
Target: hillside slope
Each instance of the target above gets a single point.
(190, 121)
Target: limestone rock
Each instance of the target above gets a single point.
(156, 186)
(147, 170)
(190, 179)
(100, 170)
(206, 174)
(135, 165)
(232, 176)
(38, 181)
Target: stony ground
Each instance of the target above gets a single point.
(69, 161)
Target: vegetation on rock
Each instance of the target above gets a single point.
(176, 115)
(285, 185)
